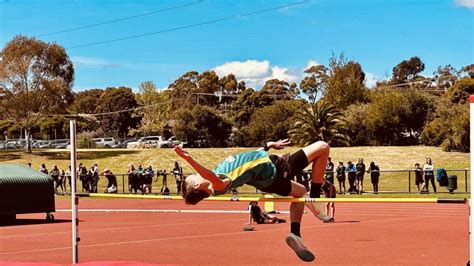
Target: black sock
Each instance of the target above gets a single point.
(295, 229)
(315, 191)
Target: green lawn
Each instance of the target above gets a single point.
(388, 158)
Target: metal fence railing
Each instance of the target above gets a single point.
(390, 181)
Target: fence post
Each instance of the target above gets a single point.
(409, 181)
(465, 178)
(123, 184)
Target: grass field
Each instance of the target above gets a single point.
(388, 158)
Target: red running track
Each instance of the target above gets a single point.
(369, 234)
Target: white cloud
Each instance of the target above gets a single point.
(94, 62)
(465, 3)
(311, 63)
(370, 80)
(255, 73)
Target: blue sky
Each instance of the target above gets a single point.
(275, 44)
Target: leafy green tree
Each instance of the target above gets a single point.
(36, 79)
(356, 117)
(344, 82)
(156, 112)
(86, 102)
(246, 104)
(449, 128)
(183, 89)
(407, 70)
(202, 127)
(270, 123)
(113, 102)
(396, 117)
(445, 77)
(280, 89)
(314, 83)
(460, 91)
(320, 121)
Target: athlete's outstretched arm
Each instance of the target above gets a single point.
(217, 183)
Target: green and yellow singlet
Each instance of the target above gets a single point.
(253, 168)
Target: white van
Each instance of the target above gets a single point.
(104, 142)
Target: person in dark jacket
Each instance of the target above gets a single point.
(360, 175)
(341, 177)
(374, 176)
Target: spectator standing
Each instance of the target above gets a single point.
(43, 169)
(374, 176)
(95, 178)
(68, 177)
(149, 173)
(62, 182)
(83, 177)
(428, 170)
(341, 177)
(329, 191)
(111, 181)
(329, 176)
(178, 175)
(360, 175)
(164, 187)
(351, 176)
(132, 179)
(141, 178)
(55, 175)
(419, 177)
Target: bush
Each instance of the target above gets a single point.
(84, 141)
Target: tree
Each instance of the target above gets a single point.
(449, 128)
(246, 104)
(270, 123)
(280, 89)
(460, 91)
(202, 127)
(344, 83)
(156, 111)
(397, 117)
(183, 89)
(407, 70)
(118, 103)
(314, 83)
(320, 121)
(445, 77)
(36, 78)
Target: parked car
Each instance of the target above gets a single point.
(174, 142)
(54, 144)
(104, 142)
(149, 142)
(123, 144)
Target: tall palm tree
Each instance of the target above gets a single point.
(319, 121)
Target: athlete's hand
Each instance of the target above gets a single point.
(278, 145)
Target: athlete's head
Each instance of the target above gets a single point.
(195, 188)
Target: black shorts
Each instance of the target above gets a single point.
(285, 172)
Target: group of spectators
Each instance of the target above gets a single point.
(141, 179)
(355, 176)
(424, 176)
(60, 177)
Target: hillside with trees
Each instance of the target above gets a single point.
(331, 103)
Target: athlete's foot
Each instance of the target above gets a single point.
(317, 208)
(296, 243)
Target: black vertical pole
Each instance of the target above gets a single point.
(123, 184)
(409, 181)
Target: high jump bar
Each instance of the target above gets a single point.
(261, 199)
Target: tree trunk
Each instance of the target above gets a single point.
(28, 142)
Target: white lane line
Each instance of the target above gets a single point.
(198, 236)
